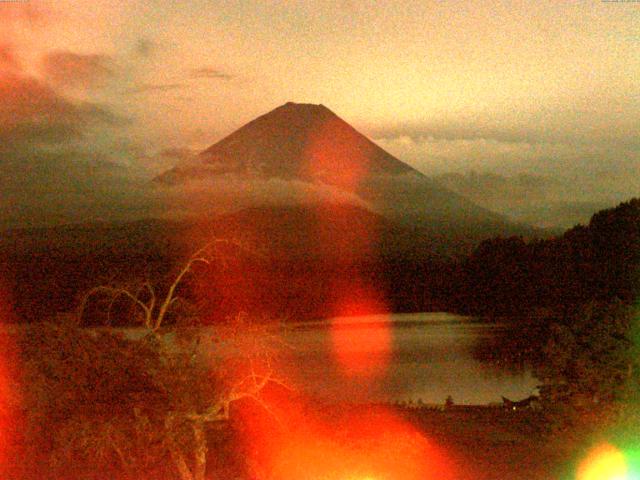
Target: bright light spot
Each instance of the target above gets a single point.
(372, 445)
(336, 155)
(604, 463)
(361, 350)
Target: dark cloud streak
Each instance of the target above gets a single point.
(146, 47)
(32, 112)
(162, 87)
(65, 68)
(210, 73)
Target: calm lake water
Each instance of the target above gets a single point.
(426, 357)
(429, 356)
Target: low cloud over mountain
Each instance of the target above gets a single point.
(310, 145)
(544, 201)
(56, 166)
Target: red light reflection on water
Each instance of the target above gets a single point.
(361, 350)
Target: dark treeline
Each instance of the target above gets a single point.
(598, 262)
(572, 300)
(507, 277)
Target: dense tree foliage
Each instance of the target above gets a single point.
(99, 404)
(598, 262)
(573, 303)
(84, 397)
(589, 356)
(135, 403)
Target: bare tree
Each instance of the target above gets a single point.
(187, 388)
(249, 349)
(144, 296)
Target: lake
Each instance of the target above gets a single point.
(418, 357)
(425, 357)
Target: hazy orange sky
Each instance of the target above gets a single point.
(128, 87)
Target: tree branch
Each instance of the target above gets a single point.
(114, 292)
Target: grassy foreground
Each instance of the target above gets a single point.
(483, 443)
(495, 443)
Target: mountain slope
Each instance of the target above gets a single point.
(299, 141)
(309, 143)
(332, 217)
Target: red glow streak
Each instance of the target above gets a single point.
(6, 416)
(334, 155)
(362, 351)
(296, 443)
(8, 392)
(605, 462)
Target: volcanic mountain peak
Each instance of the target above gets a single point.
(299, 114)
(296, 140)
(313, 147)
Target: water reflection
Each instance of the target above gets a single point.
(433, 356)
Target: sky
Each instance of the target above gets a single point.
(97, 97)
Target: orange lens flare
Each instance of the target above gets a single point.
(605, 462)
(373, 445)
(337, 156)
(8, 393)
(5, 415)
(362, 348)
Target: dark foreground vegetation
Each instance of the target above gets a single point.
(288, 275)
(95, 404)
(597, 262)
(500, 444)
(497, 443)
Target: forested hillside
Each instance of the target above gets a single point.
(599, 261)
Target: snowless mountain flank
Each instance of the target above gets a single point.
(308, 147)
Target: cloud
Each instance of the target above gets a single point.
(454, 131)
(435, 154)
(177, 153)
(65, 68)
(606, 117)
(541, 183)
(146, 47)
(56, 162)
(31, 111)
(495, 191)
(230, 192)
(539, 200)
(211, 73)
(8, 59)
(161, 87)
(74, 186)
(23, 13)
(165, 159)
